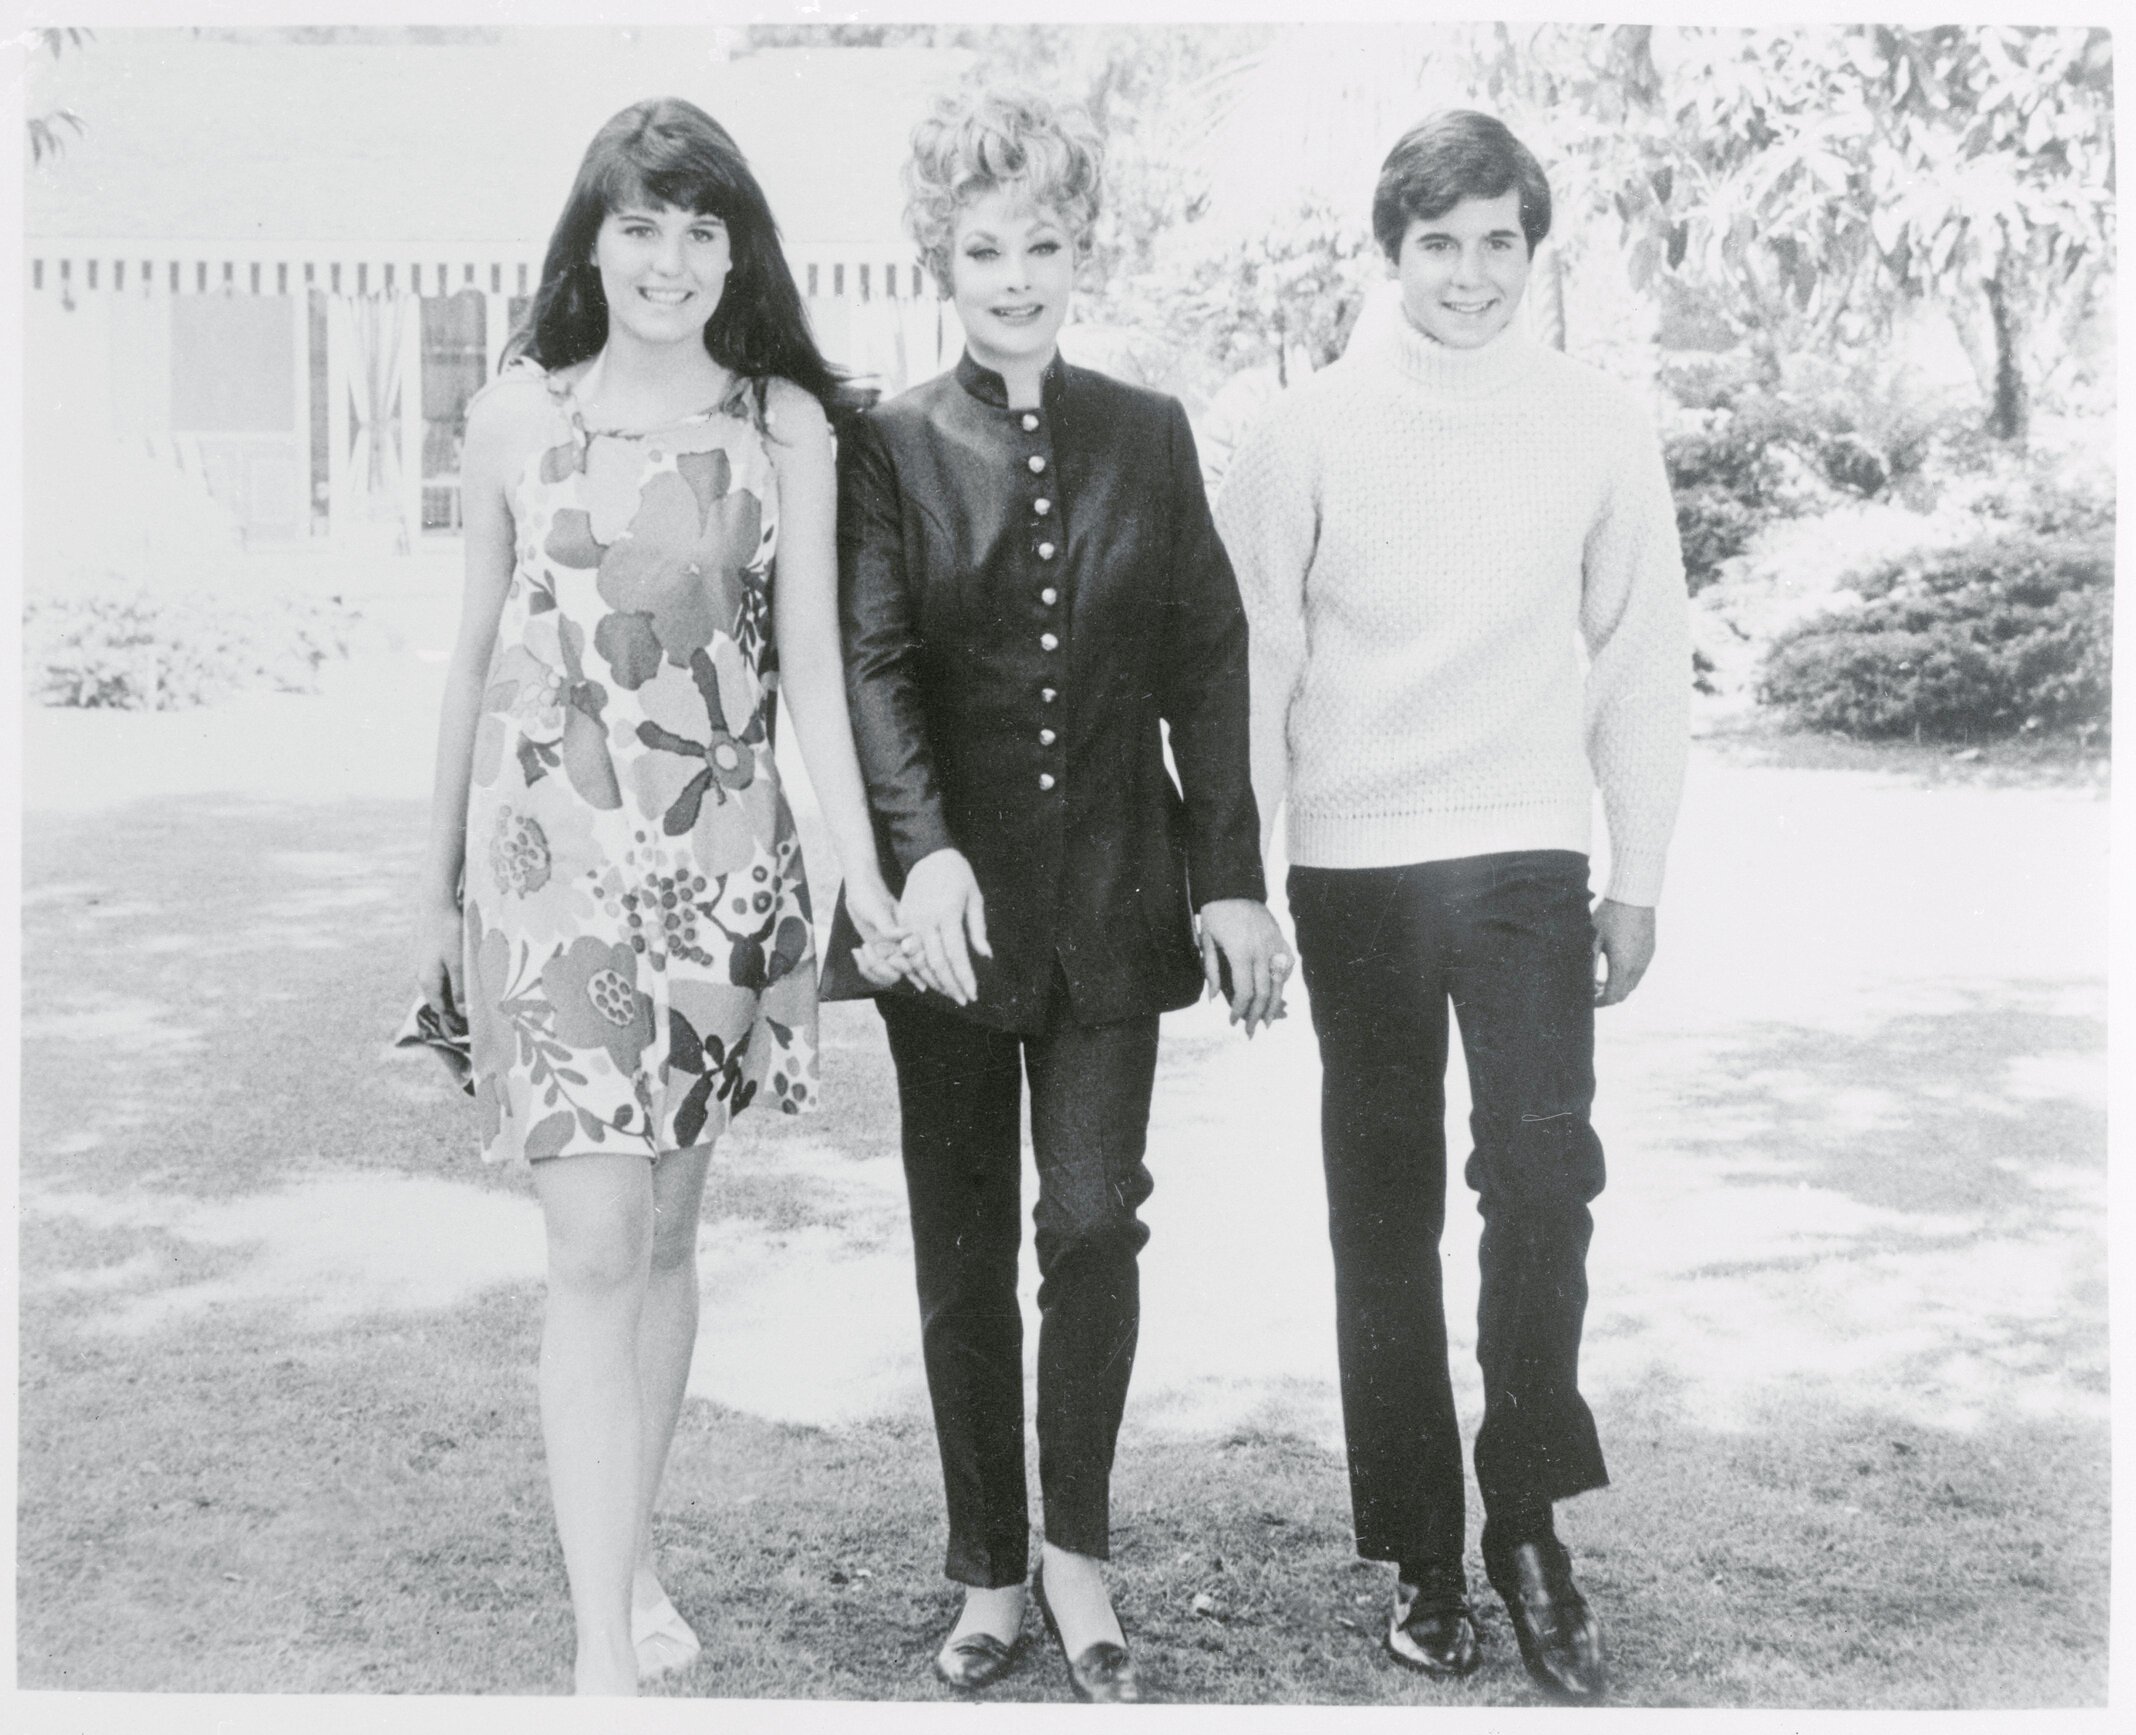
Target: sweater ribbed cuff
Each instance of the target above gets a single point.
(1635, 877)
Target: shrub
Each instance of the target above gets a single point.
(1750, 445)
(2008, 634)
(137, 652)
(1713, 523)
(2044, 499)
(1725, 464)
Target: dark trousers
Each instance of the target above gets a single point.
(959, 1095)
(1508, 940)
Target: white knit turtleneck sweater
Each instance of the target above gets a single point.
(1424, 537)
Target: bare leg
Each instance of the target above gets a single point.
(1076, 1593)
(599, 1213)
(667, 1336)
(999, 1611)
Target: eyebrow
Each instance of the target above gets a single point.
(1040, 230)
(1489, 234)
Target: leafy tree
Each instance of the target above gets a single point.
(1816, 179)
(1998, 174)
(1802, 184)
(1579, 96)
(1151, 89)
(849, 36)
(1799, 186)
(1154, 92)
(46, 139)
(1298, 149)
(1251, 297)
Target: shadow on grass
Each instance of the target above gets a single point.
(1896, 1229)
(1990, 1108)
(1902, 1218)
(209, 985)
(372, 1518)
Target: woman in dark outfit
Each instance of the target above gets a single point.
(1030, 585)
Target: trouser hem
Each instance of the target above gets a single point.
(1097, 1545)
(976, 1574)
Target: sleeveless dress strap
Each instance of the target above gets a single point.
(519, 368)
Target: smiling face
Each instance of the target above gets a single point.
(662, 270)
(1463, 274)
(1011, 273)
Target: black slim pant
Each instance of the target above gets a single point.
(960, 1100)
(1508, 940)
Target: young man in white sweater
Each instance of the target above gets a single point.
(1425, 534)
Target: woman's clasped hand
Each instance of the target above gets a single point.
(1244, 959)
(931, 934)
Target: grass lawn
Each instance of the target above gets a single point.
(255, 1497)
(1754, 738)
(365, 1513)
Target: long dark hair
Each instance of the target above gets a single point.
(669, 152)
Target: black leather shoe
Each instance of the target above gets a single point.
(1433, 1631)
(977, 1660)
(1104, 1674)
(1560, 1639)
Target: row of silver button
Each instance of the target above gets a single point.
(1049, 596)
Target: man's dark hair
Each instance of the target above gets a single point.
(1453, 155)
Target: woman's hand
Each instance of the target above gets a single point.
(1241, 934)
(874, 912)
(941, 908)
(439, 947)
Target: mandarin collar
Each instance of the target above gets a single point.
(991, 389)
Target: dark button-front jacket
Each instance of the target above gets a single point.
(1024, 596)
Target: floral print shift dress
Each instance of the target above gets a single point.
(640, 959)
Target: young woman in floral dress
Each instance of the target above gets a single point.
(613, 897)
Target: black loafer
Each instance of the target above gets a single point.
(1433, 1634)
(1560, 1639)
(977, 1660)
(1104, 1674)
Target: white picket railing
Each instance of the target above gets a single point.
(873, 309)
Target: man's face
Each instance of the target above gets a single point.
(1463, 274)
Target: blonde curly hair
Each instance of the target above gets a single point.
(1001, 140)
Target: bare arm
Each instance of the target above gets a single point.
(811, 667)
(497, 437)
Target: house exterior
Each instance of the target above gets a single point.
(287, 265)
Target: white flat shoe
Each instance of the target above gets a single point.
(662, 1639)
